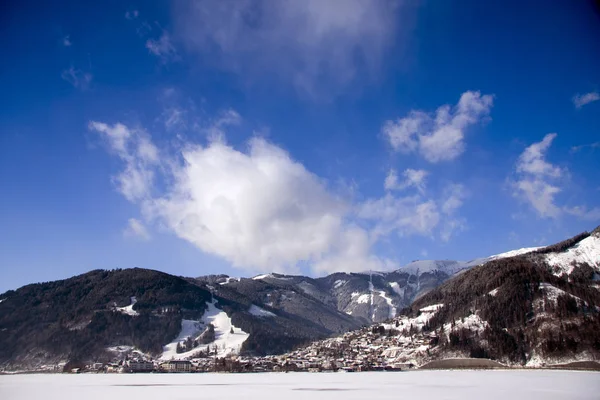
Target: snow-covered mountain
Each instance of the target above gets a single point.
(370, 296)
(534, 307)
(105, 314)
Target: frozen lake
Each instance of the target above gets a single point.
(462, 385)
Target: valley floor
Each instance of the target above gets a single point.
(491, 385)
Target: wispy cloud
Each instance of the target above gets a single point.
(580, 100)
(416, 214)
(139, 155)
(135, 228)
(438, 136)
(539, 182)
(583, 212)
(163, 48)
(593, 146)
(536, 182)
(67, 41)
(257, 208)
(311, 44)
(412, 178)
(78, 78)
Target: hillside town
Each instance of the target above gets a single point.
(395, 346)
(371, 349)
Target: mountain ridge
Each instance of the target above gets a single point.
(101, 313)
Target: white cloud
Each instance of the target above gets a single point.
(451, 227)
(162, 47)
(412, 178)
(117, 135)
(540, 194)
(593, 146)
(438, 136)
(453, 198)
(67, 41)
(135, 228)
(302, 42)
(532, 160)
(174, 118)
(259, 209)
(537, 178)
(79, 79)
(415, 214)
(580, 100)
(407, 215)
(138, 154)
(583, 212)
(216, 130)
(455, 195)
(352, 253)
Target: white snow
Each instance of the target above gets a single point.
(513, 253)
(422, 319)
(260, 312)
(363, 298)
(423, 266)
(392, 309)
(339, 283)
(452, 267)
(586, 251)
(431, 308)
(120, 349)
(225, 342)
(552, 292)
(473, 322)
(228, 280)
(493, 292)
(1, 300)
(397, 289)
(259, 277)
(188, 328)
(271, 276)
(452, 385)
(129, 309)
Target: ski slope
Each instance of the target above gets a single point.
(129, 309)
(228, 338)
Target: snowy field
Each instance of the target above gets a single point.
(488, 385)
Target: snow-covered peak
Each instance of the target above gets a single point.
(452, 267)
(514, 253)
(423, 266)
(587, 251)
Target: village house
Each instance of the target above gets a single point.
(139, 366)
(177, 366)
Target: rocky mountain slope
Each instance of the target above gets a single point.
(106, 314)
(539, 308)
(366, 297)
(102, 315)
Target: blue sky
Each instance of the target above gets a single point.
(301, 137)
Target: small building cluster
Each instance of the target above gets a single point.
(396, 346)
